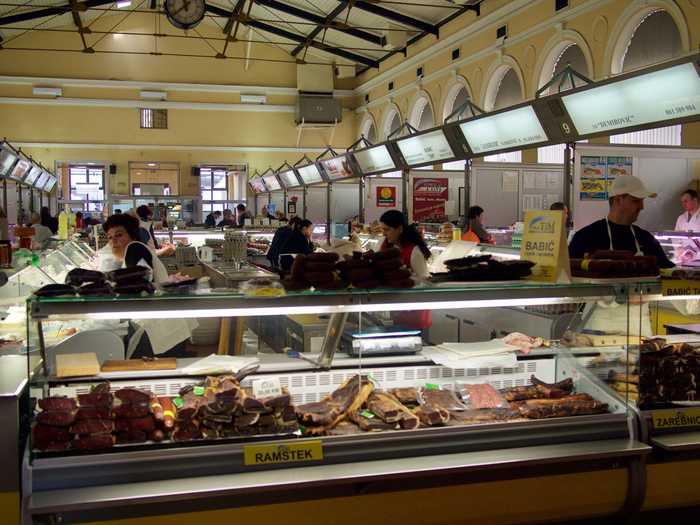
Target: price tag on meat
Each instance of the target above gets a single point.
(287, 452)
(688, 417)
(267, 388)
(544, 243)
(673, 287)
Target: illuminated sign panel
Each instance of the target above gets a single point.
(310, 174)
(373, 160)
(425, 148)
(510, 129)
(652, 97)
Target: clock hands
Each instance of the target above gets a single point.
(185, 6)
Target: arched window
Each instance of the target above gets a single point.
(655, 39)
(368, 129)
(573, 56)
(456, 98)
(392, 122)
(421, 116)
(508, 92)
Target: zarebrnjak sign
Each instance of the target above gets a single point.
(429, 197)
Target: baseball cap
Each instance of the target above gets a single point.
(630, 185)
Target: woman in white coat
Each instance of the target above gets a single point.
(164, 337)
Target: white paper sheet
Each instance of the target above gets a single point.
(509, 181)
(449, 359)
(219, 364)
(529, 180)
(532, 202)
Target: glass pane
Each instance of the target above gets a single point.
(219, 195)
(77, 178)
(205, 180)
(220, 179)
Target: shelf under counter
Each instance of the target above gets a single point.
(110, 496)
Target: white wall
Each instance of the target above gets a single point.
(372, 211)
(667, 171)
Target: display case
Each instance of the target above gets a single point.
(359, 395)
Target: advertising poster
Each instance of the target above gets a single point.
(429, 198)
(598, 174)
(386, 196)
(544, 243)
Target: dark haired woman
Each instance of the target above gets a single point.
(298, 242)
(414, 254)
(124, 249)
(147, 337)
(398, 233)
(476, 231)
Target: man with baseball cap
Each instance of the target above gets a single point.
(617, 231)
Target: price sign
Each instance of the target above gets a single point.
(283, 452)
(267, 387)
(425, 148)
(679, 287)
(687, 417)
(373, 160)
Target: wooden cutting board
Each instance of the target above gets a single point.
(75, 365)
(164, 363)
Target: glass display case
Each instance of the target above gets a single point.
(310, 378)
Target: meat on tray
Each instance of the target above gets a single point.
(133, 395)
(56, 418)
(388, 408)
(483, 396)
(93, 413)
(406, 396)
(45, 435)
(57, 403)
(444, 399)
(128, 410)
(93, 442)
(430, 415)
(95, 399)
(562, 408)
(370, 422)
(539, 390)
(92, 426)
(327, 413)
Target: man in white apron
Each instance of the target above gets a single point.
(617, 231)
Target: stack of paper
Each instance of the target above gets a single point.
(219, 364)
(487, 354)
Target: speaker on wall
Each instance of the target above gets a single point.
(195, 171)
(112, 169)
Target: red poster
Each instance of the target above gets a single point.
(386, 196)
(429, 198)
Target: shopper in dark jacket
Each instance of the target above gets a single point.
(279, 239)
(47, 220)
(298, 242)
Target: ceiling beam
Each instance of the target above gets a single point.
(329, 18)
(79, 24)
(325, 22)
(295, 37)
(394, 16)
(51, 11)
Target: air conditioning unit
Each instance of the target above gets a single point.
(313, 108)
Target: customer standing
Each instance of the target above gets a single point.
(414, 254)
(475, 225)
(47, 220)
(688, 221)
(297, 242)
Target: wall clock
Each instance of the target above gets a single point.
(185, 14)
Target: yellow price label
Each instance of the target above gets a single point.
(679, 287)
(282, 452)
(687, 417)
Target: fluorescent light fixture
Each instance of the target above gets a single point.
(330, 309)
(153, 95)
(152, 164)
(627, 103)
(510, 129)
(123, 3)
(253, 99)
(47, 91)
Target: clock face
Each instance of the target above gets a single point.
(185, 14)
